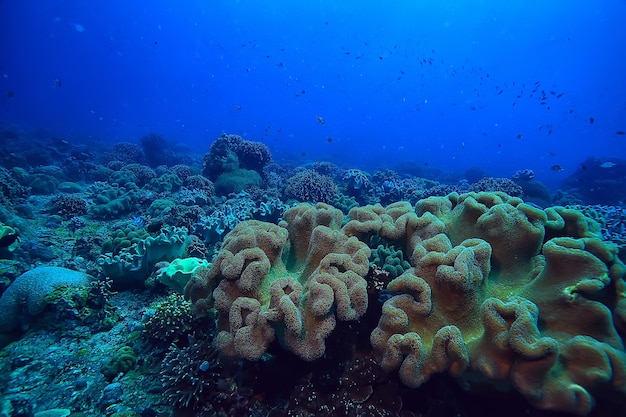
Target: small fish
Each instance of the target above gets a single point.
(57, 82)
(556, 168)
(519, 136)
(592, 120)
(320, 120)
(608, 165)
(237, 107)
(619, 132)
(329, 140)
(10, 94)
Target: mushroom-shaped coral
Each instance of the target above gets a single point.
(289, 282)
(505, 291)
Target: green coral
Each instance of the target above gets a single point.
(122, 177)
(112, 201)
(122, 361)
(85, 304)
(344, 203)
(133, 265)
(158, 206)
(171, 320)
(123, 238)
(177, 273)
(165, 183)
(236, 181)
(390, 259)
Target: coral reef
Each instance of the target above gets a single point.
(198, 182)
(111, 201)
(125, 152)
(165, 183)
(68, 206)
(132, 265)
(502, 291)
(289, 282)
(122, 361)
(357, 180)
(169, 320)
(177, 273)
(25, 298)
(309, 186)
(194, 378)
(490, 184)
(10, 189)
(236, 181)
(230, 152)
(390, 260)
(142, 174)
(303, 309)
(612, 221)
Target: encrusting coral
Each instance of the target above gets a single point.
(502, 292)
(289, 282)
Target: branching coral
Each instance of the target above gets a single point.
(308, 185)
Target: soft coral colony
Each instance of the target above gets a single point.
(498, 292)
(489, 289)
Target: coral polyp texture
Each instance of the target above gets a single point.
(502, 292)
(289, 282)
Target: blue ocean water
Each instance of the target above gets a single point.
(365, 84)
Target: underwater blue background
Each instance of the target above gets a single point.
(442, 84)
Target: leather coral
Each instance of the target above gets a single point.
(289, 282)
(503, 292)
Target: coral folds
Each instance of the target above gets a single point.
(502, 292)
(498, 292)
(287, 282)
